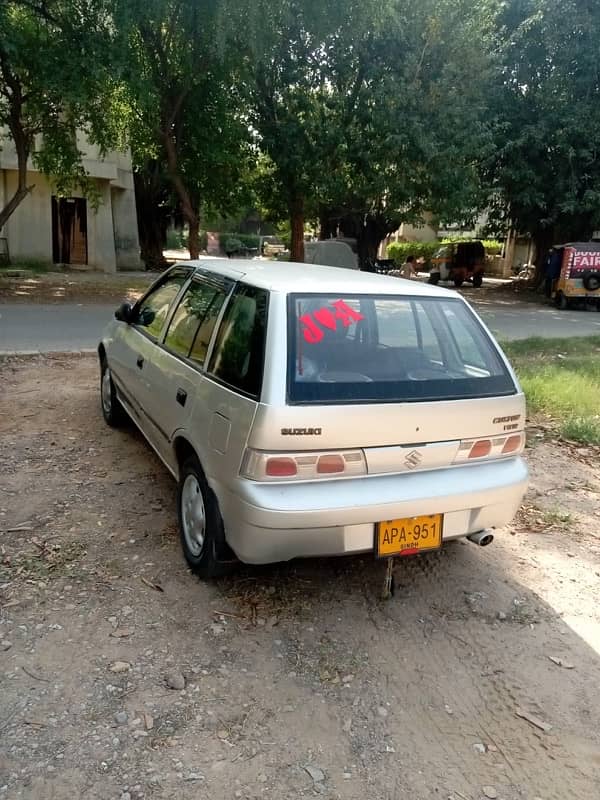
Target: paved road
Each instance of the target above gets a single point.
(71, 327)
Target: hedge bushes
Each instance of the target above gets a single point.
(234, 242)
(177, 239)
(400, 251)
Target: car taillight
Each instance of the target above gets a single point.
(513, 444)
(330, 464)
(494, 447)
(281, 467)
(261, 466)
(481, 449)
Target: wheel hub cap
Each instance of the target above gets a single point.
(106, 391)
(193, 517)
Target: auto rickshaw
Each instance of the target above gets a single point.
(579, 279)
(458, 262)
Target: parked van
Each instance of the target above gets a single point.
(579, 279)
(312, 411)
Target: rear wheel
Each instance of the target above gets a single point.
(458, 282)
(200, 523)
(113, 412)
(478, 280)
(434, 278)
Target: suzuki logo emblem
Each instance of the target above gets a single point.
(413, 459)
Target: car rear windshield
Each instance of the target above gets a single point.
(360, 349)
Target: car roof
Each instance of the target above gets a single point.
(287, 277)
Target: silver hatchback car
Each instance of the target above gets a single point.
(313, 411)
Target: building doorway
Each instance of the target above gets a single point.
(69, 230)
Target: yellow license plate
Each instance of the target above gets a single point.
(405, 537)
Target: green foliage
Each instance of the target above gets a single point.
(187, 121)
(492, 246)
(177, 239)
(544, 172)
(56, 79)
(33, 265)
(400, 251)
(561, 379)
(388, 96)
(236, 242)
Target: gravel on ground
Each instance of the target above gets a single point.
(123, 677)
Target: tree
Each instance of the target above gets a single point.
(55, 80)
(372, 113)
(286, 90)
(187, 122)
(545, 173)
(412, 121)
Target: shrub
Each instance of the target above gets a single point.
(177, 239)
(231, 244)
(492, 246)
(400, 251)
(234, 242)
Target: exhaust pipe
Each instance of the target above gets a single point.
(482, 538)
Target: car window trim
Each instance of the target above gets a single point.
(186, 359)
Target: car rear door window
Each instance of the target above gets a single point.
(389, 349)
(153, 310)
(238, 356)
(194, 320)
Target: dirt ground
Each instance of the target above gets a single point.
(60, 287)
(479, 679)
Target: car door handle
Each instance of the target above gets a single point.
(181, 396)
(140, 362)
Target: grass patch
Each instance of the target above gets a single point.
(561, 378)
(34, 266)
(555, 518)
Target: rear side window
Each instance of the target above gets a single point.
(389, 349)
(238, 356)
(194, 320)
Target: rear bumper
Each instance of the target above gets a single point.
(276, 522)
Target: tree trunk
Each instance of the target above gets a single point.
(22, 140)
(327, 225)
(370, 234)
(194, 237)
(152, 219)
(187, 207)
(297, 222)
(543, 240)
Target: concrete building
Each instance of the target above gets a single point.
(70, 230)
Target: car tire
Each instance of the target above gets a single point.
(434, 278)
(478, 280)
(458, 282)
(591, 281)
(113, 412)
(200, 523)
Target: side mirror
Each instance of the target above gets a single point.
(124, 313)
